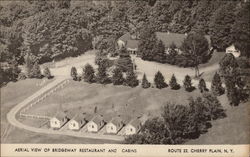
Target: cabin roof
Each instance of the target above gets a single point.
(60, 115)
(79, 117)
(116, 121)
(97, 119)
(135, 122)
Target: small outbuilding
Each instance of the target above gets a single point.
(115, 125)
(58, 120)
(133, 127)
(95, 124)
(77, 122)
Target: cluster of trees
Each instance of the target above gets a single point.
(123, 66)
(236, 79)
(194, 50)
(33, 70)
(179, 123)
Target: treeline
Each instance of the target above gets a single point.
(67, 28)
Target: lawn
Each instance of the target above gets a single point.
(110, 100)
(15, 92)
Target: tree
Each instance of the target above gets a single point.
(229, 71)
(124, 62)
(73, 73)
(145, 83)
(102, 76)
(56, 32)
(240, 30)
(147, 46)
(131, 79)
(89, 73)
(117, 78)
(215, 108)
(221, 26)
(35, 71)
(46, 72)
(200, 113)
(187, 83)
(202, 86)
(173, 83)
(195, 48)
(172, 53)
(29, 62)
(175, 117)
(159, 80)
(216, 85)
(159, 52)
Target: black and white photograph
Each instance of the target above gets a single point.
(125, 73)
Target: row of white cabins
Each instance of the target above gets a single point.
(96, 123)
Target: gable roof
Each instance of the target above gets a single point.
(135, 122)
(165, 37)
(60, 116)
(79, 117)
(116, 121)
(97, 119)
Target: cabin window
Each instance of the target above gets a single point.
(55, 122)
(111, 128)
(131, 129)
(92, 126)
(74, 124)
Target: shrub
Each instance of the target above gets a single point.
(46, 73)
(202, 86)
(89, 74)
(73, 73)
(201, 113)
(159, 80)
(102, 76)
(22, 76)
(173, 83)
(216, 85)
(145, 83)
(187, 83)
(215, 108)
(124, 61)
(35, 71)
(117, 78)
(131, 79)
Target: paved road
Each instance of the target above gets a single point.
(11, 117)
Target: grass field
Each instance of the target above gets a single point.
(126, 101)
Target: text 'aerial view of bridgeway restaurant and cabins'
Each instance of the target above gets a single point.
(125, 72)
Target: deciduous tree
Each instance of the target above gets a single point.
(195, 48)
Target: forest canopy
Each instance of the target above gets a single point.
(67, 27)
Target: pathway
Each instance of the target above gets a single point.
(11, 116)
